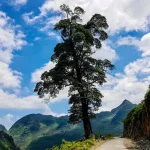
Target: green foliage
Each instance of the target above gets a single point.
(52, 129)
(147, 98)
(136, 124)
(97, 135)
(109, 136)
(75, 67)
(32, 127)
(137, 111)
(76, 145)
(6, 142)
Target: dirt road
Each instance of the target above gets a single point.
(116, 144)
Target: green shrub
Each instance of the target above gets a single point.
(76, 145)
(97, 136)
(109, 136)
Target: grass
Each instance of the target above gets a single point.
(81, 144)
(76, 145)
(109, 136)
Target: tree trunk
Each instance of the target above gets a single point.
(86, 121)
(85, 117)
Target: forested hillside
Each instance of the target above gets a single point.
(137, 122)
(6, 142)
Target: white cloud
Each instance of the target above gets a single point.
(143, 45)
(106, 52)
(27, 18)
(131, 85)
(139, 67)
(37, 38)
(129, 40)
(11, 38)
(51, 22)
(11, 101)
(54, 35)
(8, 77)
(36, 75)
(8, 120)
(18, 2)
(32, 102)
(123, 14)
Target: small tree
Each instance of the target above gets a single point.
(75, 67)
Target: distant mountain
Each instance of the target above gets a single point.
(43, 128)
(2, 128)
(111, 122)
(38, 131)
(6, 142)
(126, 105)
(121, 111)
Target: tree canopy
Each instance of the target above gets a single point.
(75, 67)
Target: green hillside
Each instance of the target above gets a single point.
(37, 126)
(2, 128)
(6, 142)
(137, 122)
(38, 131)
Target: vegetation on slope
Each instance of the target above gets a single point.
(6, 142)
(134, 113)
(32, 127)
(2, 128)
(38, 131)
(76, 145)
(82, 144)
(137, 122)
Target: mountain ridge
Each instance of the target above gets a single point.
(33, 129)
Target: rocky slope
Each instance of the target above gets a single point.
(6, 142)
(38, 131)
(137, 122)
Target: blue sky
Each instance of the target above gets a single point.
(27, 42)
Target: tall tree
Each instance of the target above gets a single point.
(75, 67)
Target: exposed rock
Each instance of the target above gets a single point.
(143, 144)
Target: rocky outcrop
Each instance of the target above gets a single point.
(137, 122)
